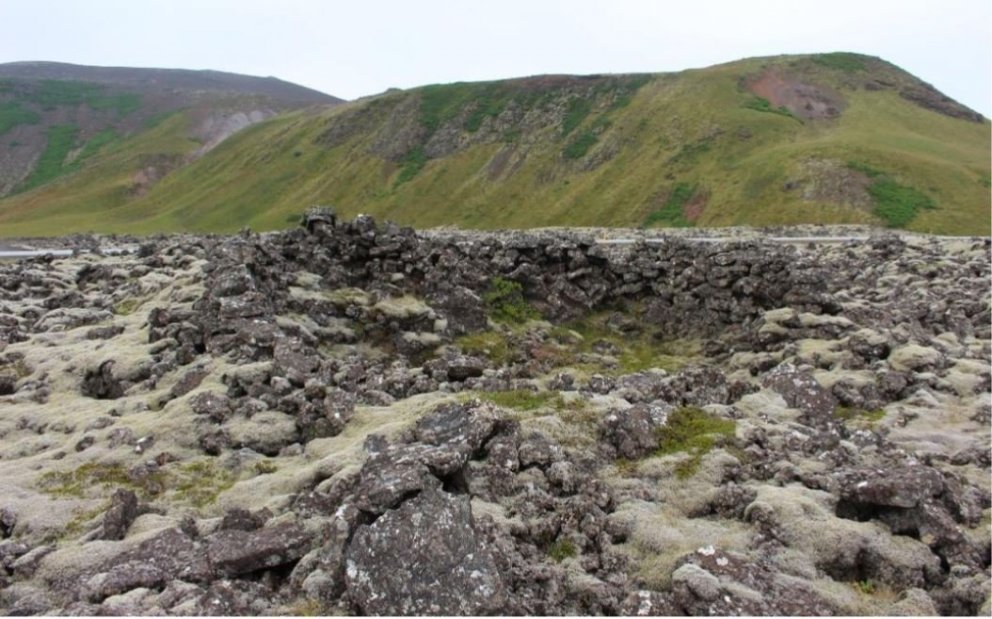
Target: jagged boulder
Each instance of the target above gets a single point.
(633, 431)
(904, 487)
(121, 513)
(234, 551)
(423, 558)
(802, 391)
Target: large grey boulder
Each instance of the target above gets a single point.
(465, 427)
(423, 559)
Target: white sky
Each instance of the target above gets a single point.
(360, 47)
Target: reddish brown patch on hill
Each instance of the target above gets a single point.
(504, 162)
(803, 100)
(153, 169)
(692, 209)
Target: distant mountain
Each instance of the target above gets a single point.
(829, 138)
(158, 81)
(56, 117)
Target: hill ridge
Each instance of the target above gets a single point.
(55, 117)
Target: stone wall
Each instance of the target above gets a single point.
(686, 285)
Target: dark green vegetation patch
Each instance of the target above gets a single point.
(506, 303)
(413, 163)
(898, 204)
(760, 104)
(578, 147)
(97, 143)
(12, 115)
(475, 102)
(895, 203)
(578, 109)
(61, 140)
(672, 213)
(841, 61)
(55, 93)
(442, 103)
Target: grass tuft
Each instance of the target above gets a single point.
(266, 467)
(490, 344)
(866, 587)
(81, 518)
(524, 400)
(864, 168)
(626, 467)
(200, 483)
(310, 607)
(847, 413)
(127, 306)
(562, 549)
(692, 430)
(75, 483)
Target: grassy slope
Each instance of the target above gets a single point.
(681, 128)
(90, 199)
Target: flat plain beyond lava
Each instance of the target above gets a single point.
(363, 419)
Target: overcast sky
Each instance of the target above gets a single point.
(360, 47)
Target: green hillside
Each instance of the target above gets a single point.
(836, 138)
